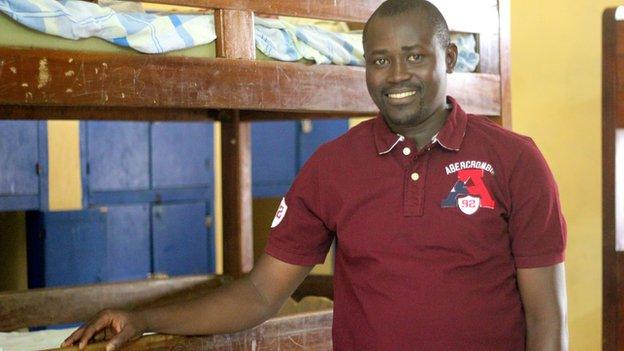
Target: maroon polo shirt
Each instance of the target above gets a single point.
(428, 242)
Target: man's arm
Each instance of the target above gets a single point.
(545, 306)
(242, 304)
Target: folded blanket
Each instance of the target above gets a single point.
(157, 33)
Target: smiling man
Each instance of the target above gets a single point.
(448, 229)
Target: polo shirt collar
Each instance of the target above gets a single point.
(449, 137)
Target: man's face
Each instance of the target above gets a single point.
(406, 68)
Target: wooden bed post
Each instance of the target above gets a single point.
(611, 259)
(504, 13)
(235, 40)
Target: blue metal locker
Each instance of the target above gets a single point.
(274, 157)
(183, 240)
(182, 154)
(23, 154)
(315, 134)
(128, 242)
(118, 156)
(74, 247)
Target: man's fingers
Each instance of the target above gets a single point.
(75, 336)
(120, 339)
(102, 322)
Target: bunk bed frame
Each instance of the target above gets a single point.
(612, 119)
(234, 89)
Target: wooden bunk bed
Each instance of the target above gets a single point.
(612, 180)
(235, 89)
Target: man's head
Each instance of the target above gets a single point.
(408, 54)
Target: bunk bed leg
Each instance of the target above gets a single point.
(235, 40)
(236, 182)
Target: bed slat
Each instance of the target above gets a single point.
(54, 78)
(306, 331)
(50, 306)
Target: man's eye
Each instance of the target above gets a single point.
(380, 62)
(414, 58)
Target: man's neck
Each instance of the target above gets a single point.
(423, 133)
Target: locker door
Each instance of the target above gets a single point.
(128, 242)
(274, 160)
(74, 247)
(182, 244)
(19, 155)
(313, 134)
(182, 154)
(118, 156)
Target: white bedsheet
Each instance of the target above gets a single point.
(32, 341)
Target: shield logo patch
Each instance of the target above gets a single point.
(468, 204)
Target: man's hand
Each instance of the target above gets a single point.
(117, 326)
(239, 305)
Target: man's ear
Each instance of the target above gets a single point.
(450, 57)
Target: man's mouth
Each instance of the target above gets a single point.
(401, 95)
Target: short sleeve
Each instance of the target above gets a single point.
(298, 233)
(536, 225)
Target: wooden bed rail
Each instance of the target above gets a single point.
(305, 331)
(177, 88)
(50, 306)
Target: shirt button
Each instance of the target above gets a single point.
(407, 151)
(415, 176)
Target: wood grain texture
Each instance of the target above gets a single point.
(235, 35)
(117, 113)
(611, 261)
(305, 331)
(477, 93)
(39, 307)
(237, 200)
(46, 78)
(504, 8)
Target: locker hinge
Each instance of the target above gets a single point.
(88, 168)
(38, 168)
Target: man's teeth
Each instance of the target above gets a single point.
(401, 95)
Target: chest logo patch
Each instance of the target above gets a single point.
(280, 214)
(469, 192)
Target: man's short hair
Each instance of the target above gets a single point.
(422, 7)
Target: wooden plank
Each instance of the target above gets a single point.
(236, 41)
(504, 7)
(160, 82)
(489, 53)
(64, 78)
(460, 14)
(295, 116)
(477, 93)
(306, 331)
(30, 112)
(610, 261)
(48, 306)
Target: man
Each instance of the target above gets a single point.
(448, 228)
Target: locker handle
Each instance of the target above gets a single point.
(306, 126)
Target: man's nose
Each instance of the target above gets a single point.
(399, 72)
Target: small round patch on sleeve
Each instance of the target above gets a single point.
(281, 213)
